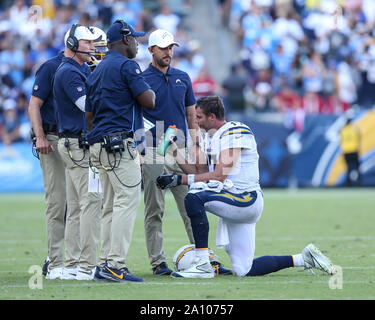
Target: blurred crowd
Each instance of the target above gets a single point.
(33, 31)
(296, 56)
(302, 56)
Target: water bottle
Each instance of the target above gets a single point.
(168, 136)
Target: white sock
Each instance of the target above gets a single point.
(298, 260)
(202, 254)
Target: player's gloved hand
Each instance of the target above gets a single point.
(165, 181)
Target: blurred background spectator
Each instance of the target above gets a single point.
(295, 57)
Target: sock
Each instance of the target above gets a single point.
(298, 260)
(268, 264)
(202, 253)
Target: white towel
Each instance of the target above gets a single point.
(222, 237)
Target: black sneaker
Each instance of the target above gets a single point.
(219, 269)
(45, 266)
(162, 270)
(118, 275)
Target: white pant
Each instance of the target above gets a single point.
(240, 223)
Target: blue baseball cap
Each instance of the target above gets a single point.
(120, 29)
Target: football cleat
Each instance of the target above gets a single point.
(54, 273)
(118, 275)
(199, 269)
(69, 274)
(83, 274)
(313, 258)
(45, 266)
(219, 269)
(161, 270)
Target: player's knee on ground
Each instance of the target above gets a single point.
(240, 267)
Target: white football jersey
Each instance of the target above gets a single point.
(234, 134)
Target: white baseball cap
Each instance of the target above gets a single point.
(161, 38)
(82, 33)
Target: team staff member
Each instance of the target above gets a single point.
(43, 120)
(350, 139)
(234, 195)
(83, 207)
(116, 95)
(174, 105)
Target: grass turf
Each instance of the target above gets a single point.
(339, 221)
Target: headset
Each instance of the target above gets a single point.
(125, 31)
(72, 43)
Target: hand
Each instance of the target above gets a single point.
(165, 181)
(43, 146)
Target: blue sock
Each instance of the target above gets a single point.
(268, 264)
(198, 219)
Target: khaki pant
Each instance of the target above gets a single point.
(82, 228)
(122, 195)
(53, 170)
(154, 199)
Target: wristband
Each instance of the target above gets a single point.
(190, 179)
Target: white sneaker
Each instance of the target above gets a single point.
(313, 258)
(198, 269)
(83, 274)
(54, 273)
(69, 274)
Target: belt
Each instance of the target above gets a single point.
(124, 135)
(68, 134)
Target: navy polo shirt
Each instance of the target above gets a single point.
(112, 89)
(68, 87)
(174, 92)
(42, 88)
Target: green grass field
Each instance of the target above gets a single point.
(340, 222)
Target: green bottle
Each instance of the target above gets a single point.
(168, 136)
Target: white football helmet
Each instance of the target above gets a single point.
(184, 257)
(101, 48)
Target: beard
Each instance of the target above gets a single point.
(163, 62)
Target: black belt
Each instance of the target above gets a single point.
(124, 134)
(68, 134)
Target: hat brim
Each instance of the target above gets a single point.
(138, 34)
(165, 45)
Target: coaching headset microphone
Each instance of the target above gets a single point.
(72, 42)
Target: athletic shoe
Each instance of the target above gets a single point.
(98, 277)
(219, 269)
(45, 266)
(54, 273)
(83, 274)
(199, 269)
(313, 258)
(69, 274)
(118, 275)
(161, 270)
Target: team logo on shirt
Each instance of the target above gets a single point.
(36, 87)
(79, 89)
(137, 71)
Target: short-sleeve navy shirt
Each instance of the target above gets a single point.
(174, 92)
(112, 89)
(68, 87)
(42, 88)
